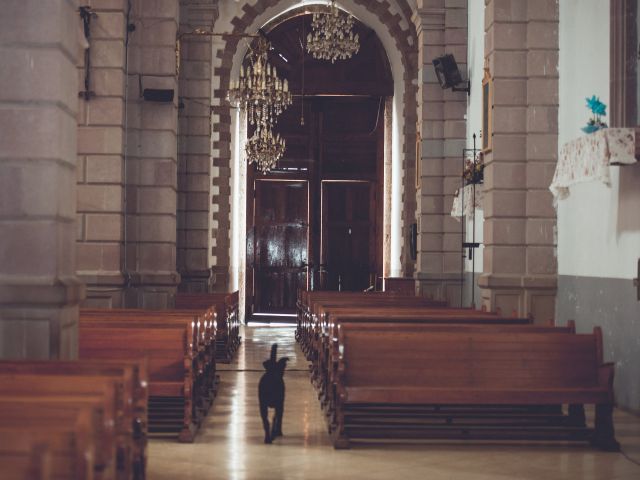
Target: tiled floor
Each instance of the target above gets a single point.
(229, 446)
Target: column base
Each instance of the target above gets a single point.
(533, 296)
(440, 286)
(195, 281)
(39, 321)
(153, 290)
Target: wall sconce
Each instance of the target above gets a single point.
(448, 74)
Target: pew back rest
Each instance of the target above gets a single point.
(469, 359)
(165, 346)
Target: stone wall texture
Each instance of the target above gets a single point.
(196, 193)
(520, 267)
(141, 205)
(39, 290)
(442, 28)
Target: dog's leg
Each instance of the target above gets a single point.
(264, 413)
(277, 421)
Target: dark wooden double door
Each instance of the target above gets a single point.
(315, 222)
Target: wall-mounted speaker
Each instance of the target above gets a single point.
(447, 71)
(158, 95)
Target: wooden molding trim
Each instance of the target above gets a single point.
(623, 63)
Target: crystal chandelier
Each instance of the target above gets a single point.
(263, 96)
(259, 91)
(332, 37)
(264, 149)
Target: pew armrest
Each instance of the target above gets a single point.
(606, 373)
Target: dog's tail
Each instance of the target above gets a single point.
(274, 351)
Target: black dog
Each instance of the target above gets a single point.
(271, 394)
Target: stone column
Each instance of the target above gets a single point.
(152, 161)
(442, 28)
(195, 189)
(520, 268)
(39, 290)
(101, 131)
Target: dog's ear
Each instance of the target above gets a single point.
(282, 363)
(274, 352)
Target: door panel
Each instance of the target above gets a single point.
(280, 244)
(318, 206)
(348, 234)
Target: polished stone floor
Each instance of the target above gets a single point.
(229, 446)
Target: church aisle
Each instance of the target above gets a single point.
(229, 445)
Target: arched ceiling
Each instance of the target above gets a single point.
(365, 73)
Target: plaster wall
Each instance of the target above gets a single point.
(598, 226)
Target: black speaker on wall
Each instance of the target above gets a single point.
(158, 95)
(448, 73)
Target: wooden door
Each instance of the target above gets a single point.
(278, 246)
(348, 234)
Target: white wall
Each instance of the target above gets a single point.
(598, 227)
(474, 112)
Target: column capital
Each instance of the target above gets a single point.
(429, 19)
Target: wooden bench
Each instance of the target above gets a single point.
(226, 307)
(202, 338)
(389, 318)
(383, 391)
(131, 383)
(179, 385)
(24, 457)
(309, 308)
(328, 364)
(324, 323)
(58, 445)
(38, 399)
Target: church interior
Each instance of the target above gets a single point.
(431, 207)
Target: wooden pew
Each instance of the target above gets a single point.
(23, 458)
(202, 338)
(30, 401)
(226, 308)
(179, 392)
(328, 366)
(324, 326)
(56, 446)
(308, 316)
(131, 383)
(382, 391)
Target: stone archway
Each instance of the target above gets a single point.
(400, 35)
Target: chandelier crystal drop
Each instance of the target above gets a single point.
(332, 37)
(259, 91)
(264, 149)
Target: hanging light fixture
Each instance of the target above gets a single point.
(332, 37)
(259, 91)
(263, 96)
(264, 149)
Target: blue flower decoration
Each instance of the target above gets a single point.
(596, 106)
